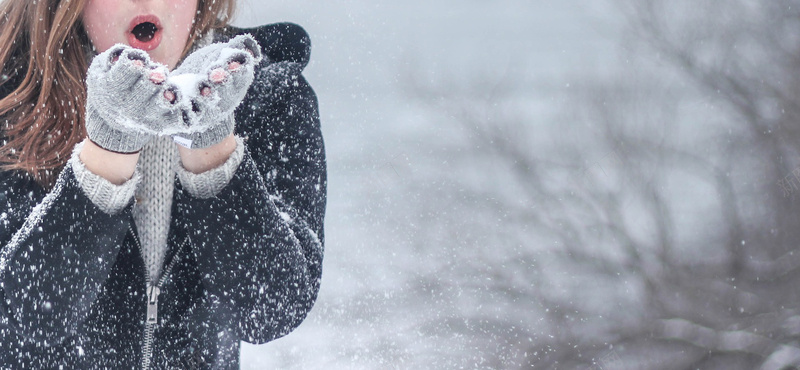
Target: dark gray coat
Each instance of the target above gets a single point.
(243, 266)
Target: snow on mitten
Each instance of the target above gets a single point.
(213, 81)
(128, 100)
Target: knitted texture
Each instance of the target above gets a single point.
(213, 81)
(124, 108)
(153, 184)
(151, 213)
(110, 198)
(159, 163)
(209, 183)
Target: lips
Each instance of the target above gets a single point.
(145, 32)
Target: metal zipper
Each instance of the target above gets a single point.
(152, 293)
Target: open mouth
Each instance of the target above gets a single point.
(145, 32)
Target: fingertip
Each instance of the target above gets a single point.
(170, 96)
(219, 75)
(248, 43)
(115, 53)
(136, 56)
(238, 60)
(158, 77)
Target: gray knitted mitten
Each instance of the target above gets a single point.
(128, 99)
(213, 81)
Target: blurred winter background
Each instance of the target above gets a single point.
(545, 184)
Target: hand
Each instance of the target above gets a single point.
(128, 99)
(213, 81)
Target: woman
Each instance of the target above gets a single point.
(120, 247)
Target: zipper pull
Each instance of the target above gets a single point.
(152, 304)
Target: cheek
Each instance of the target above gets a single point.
(98, 23)
(184, 12)
(181, 18)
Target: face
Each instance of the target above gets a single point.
(160, 27)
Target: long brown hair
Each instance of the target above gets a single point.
(43, 48)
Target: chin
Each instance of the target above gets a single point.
(163, 59)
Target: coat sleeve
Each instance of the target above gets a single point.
(57, 251)
(259, 242)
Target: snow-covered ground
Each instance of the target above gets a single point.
(364, 51)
